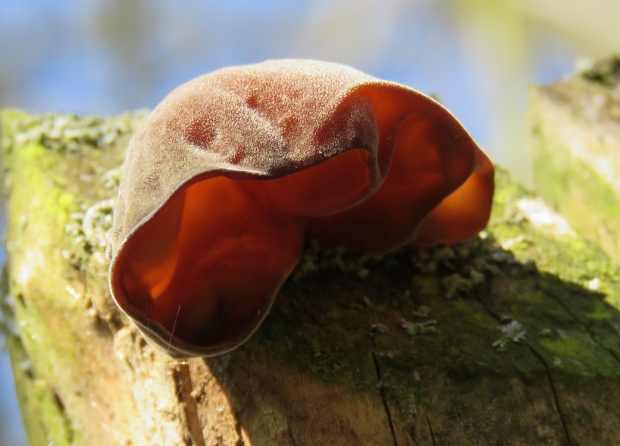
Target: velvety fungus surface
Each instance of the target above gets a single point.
(233, 169)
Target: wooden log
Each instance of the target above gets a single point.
(574, 139)
(511, 338)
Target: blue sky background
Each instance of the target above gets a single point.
(106, 56)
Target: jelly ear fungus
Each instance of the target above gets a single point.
(233, 169)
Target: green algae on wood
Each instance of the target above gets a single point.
(574, 138)
(46, 186)
(489, 341)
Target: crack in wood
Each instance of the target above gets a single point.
(382, 393)
(556, 398)
(430, 429)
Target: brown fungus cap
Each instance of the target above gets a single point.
(232, 169)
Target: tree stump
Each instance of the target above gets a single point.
(511, 338)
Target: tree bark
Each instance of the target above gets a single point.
(511, 338)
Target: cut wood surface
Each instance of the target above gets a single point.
(512, 338)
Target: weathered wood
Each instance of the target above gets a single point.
(512, 338)
(574, 139)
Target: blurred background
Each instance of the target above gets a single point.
(478, 57)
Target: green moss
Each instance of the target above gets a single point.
(63, 144)
(50, 413)
(573, 188)
(41, 408)
(582, 260)
(574, 352)
(57, 204)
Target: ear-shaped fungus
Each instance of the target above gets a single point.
(231, 171)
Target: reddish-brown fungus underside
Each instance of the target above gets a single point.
(234, 168)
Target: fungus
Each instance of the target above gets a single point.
(233, 169)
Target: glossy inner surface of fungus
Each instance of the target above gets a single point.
(203, 266)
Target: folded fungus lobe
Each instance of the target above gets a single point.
(233, 169)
